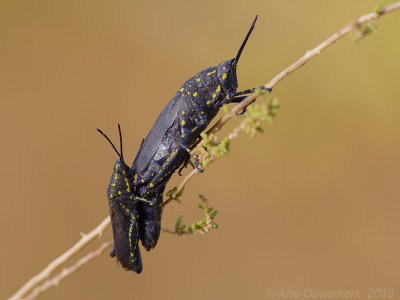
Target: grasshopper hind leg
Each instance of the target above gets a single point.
(150, 224)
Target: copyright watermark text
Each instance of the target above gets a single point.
(311, 293)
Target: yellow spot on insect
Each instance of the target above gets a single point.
(111, 195)
(119, 193)
(116, 176)
(214, 95)
(142, 180)
(131, 254)
(194, 129)
(218, 89)
(127, 210)
(183, 122)
(182, 135)
(123, 172)
(208, 102)
(190, 85)
(112, 184)
(195, 94)
(128, 190)
(151, 185)
(198, 79)
(183, 112)
(131, 197)
(209, 73)
(202, 112)
(182, 89)
(227, 97)
(224, 76)
(188, 93)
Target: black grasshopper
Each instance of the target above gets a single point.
(122, 203)
(167, 146)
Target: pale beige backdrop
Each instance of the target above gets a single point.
(311, 204)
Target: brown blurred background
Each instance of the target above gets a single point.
(312, 203)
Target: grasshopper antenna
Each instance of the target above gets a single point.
(245, 40)
(120, 142)
(112, 145)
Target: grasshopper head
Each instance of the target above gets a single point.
(226, 71)
(121, 180)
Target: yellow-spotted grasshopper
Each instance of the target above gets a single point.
(122, 203)
(178, 127)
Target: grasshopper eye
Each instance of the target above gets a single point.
(226, 67)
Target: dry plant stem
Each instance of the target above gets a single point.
(86, 238)
(181, 187)
(355, 25)
(169, 231)
(55, 281)
(209, 223)
(205, 229)
(34, 281)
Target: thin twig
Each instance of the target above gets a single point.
(181, 187)
(55, 281)
(373, 16)
(34, 281)
(167, 230)
(209, 219)
(203, 228)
